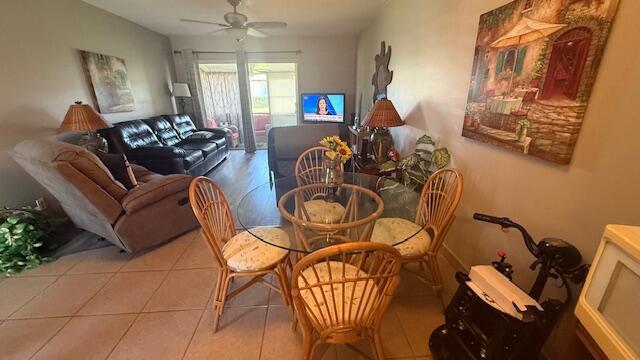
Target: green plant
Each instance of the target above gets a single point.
(418, 166)
(521, 125)
(21, 234)
(538, 67)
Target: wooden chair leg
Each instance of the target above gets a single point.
(222, 300)
(436, 277)
(377, 345)
(307, 346)
(218, 298)
(281, 271)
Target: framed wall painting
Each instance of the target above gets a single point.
(109, 82)
(534, 65)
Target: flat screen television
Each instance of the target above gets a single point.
(323, 108)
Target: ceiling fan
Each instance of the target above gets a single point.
(238, 25)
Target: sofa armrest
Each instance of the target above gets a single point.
(156, 152)
(154, 191)
(219, 132)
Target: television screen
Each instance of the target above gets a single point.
(323, 107)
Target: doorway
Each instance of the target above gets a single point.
(566, 65)
(273, 88)
(221, 98)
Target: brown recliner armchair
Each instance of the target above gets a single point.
(155, 211)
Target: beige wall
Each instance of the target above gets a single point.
(325, 64)
(42, 74)
(433, 43)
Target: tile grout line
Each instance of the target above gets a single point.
(404, 331)
(50, 338)
(33, 297)
(137, 316)
(193, 334)
(264, 329)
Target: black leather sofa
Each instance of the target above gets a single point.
(169, 144)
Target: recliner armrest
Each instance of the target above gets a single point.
(157, 152)
(154, 191)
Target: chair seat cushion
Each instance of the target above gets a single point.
(324, 212)
(349, 297)
(245, 252)
(391, 231)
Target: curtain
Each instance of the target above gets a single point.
(221, 98)
(245, 102)
(187, 72)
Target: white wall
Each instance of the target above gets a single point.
(325, 64)
(42, 74)
(433, 43)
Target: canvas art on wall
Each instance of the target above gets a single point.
(534, 66)
(109, 83)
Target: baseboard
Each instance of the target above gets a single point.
(454, 260)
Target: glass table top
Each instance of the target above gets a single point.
(316, 216)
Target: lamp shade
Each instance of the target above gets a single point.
(82, 117)
(383, 115)
(181, 90)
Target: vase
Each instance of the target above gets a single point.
(521, 133)
(381, 143)
(333, 175)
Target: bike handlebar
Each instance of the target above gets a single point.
(506, 223)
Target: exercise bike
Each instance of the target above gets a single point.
(474, 329)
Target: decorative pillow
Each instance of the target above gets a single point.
(119, 167)
(201, 135)
(212, 122)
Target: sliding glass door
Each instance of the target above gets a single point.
(273, 93)
(273, 89)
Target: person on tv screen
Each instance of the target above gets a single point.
(322, 107)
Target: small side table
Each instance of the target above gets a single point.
(370, 167)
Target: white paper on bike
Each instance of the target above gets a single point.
(496, 290)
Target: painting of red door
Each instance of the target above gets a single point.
(566, 65)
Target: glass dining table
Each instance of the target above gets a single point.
(315, 216)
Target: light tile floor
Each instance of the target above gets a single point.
(103, 304)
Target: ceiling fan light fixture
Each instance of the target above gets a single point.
(237, 33)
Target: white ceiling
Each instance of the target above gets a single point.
(305, 17)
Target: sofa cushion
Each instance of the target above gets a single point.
(119, 167)
(135, 133)
(192, 157)
(182, 124)
(207, 148)
(163, 130)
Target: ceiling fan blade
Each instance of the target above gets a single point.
(266, 24)
(204, 22)
(256, 33)
(216, 31)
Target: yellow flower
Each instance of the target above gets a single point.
(331, 154)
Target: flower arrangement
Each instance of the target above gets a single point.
(336, 148)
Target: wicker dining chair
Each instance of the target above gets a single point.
(310, 170)
(237, 254)
(435, 214)
(341, 292)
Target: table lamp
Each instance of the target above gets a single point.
(382, 116)
(82, 117)
(181, 90)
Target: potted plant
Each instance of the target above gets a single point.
(22, 232)
(419, 165)
(521, 129)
